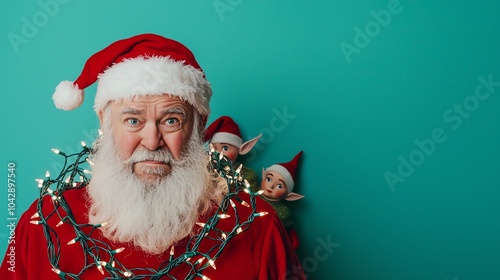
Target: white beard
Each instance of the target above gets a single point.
(151, 215)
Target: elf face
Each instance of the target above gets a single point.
(274, 186)
(229, 150)
(151, 123)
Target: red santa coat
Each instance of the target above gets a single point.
(263, 251)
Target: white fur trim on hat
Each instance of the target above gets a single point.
(226, 137)
(67, 96)
(286, 175)
(153, 76)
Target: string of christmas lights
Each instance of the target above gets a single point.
(101, 255)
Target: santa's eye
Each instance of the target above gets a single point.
(133, 121)
(172, 121)
(172, 124)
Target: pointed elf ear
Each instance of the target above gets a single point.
(293, 196)
(248, 145)
(263, 173)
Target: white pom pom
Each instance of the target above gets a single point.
(67, 96)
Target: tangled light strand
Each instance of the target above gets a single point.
(101, 255)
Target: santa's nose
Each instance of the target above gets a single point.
(152, 138)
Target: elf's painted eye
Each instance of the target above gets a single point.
(279, 186)
(225, 148)
(268, 179)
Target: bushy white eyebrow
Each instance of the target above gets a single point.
(131, 111)
(174, 110)
(135, 111)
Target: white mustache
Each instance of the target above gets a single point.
(144, 154)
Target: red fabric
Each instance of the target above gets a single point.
(222, 124)
(291, 166)
(261, 252)
(139, 45)
(294, 238)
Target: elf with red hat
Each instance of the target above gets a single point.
(225, 136)
(278, 182)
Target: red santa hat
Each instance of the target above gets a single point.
(288, 170)
(224, 130)
(145, 64)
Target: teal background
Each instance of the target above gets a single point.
(356, 116)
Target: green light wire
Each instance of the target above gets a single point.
(95, 250)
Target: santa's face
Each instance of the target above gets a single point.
(151, 123)
(151, 214)
(274, 186)
(229, 150)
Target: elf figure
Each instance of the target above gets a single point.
(277, 183)
(225, 136)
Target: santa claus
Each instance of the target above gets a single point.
(151, 189)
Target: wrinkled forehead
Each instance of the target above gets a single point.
(160, 100)
(142, 98)
(151, 106)
(153, 98)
